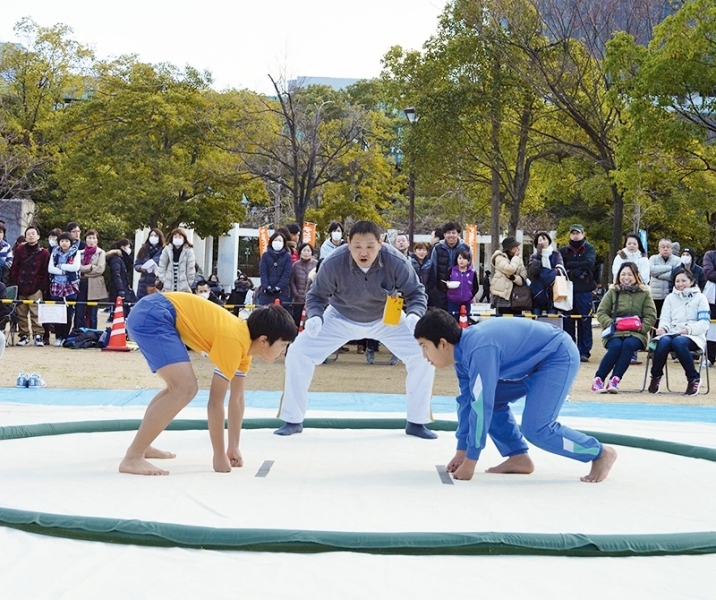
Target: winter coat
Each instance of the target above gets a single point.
(709, 263)
(239, 291)
(579, 260)
(275, 271)
(146, 279)
(468, 287)
(299, 278)
(118, 262)
(426, 274)
(660, 270)
(327, 248)
(93, 274)
(508, 271)
(64, 268)
(640, 260)
(185, 271)
(444, 258)
(639, 303)
(687, 309)
(29, 270)
(542, 278)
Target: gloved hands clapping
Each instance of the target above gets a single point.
(313, 326)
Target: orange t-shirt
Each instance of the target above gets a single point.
(206, 327)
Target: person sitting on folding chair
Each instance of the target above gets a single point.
(684, 321)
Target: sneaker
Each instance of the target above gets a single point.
(394, 360)
(613, 385)
(38, 341)
(58, 342)
(23, 380)
(35, 381)
(655, 385)
(692, 388)
(583, 358)
(370, 357)
(23, 341)
(598, 385)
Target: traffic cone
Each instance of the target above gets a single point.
(277, 302)
(462, 321)
(302, 322)
(118, 335)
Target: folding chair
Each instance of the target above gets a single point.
(696, 355)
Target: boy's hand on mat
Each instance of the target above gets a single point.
(456, 461)
(313, 326)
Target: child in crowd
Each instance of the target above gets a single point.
(498, 362)
(163, 325)
(468, 285)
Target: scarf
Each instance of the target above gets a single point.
(546, 258)
(62, 258)
(89, 253)
(629, 289)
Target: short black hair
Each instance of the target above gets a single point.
(2, 227)
(335, 225)
(437, 324)
(464, 253)
(451, 226)
(303, 245)
(438, 233)
(365, 227)
(274, 322)
(65, 235)
(71, 225)
(201, 282)
(293, 228)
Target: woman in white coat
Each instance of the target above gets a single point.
(684, 322)
(633, 251)
(177, 264)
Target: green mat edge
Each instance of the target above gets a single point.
(149, 533)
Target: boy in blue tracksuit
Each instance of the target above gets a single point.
(498, 362)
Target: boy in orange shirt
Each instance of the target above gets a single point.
(163, 325)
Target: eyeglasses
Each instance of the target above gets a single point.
(75, 230)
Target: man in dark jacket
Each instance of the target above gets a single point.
(579, 258)
(29, 273)
(444, 258)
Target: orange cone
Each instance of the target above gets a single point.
(302, 322)
(118, 335)
(463, 318)
(277, 302)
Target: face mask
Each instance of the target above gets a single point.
(203, 294)
(178, 241)
(686, 259)
(127, 250)
(53, 243)
(336, 236)
(276, 245)
(153, 240)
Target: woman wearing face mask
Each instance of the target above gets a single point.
(688, 263)
(64, 267)
(119, 261)
(299, 279)
(335, 239)
(151, 250)
(177, 265)
(275, 271)
(92, 287)
(51, 245)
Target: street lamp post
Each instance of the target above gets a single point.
(412, 117)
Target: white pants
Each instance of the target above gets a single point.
(305, 353)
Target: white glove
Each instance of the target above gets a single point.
(411, 321)
(313, 326)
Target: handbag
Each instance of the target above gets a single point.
(631, 323)
(564, 301)
(609, 331)
(521, 297)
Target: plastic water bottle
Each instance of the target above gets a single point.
(23, 380)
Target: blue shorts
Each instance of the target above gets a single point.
(152, 325)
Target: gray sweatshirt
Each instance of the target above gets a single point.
(361, 296)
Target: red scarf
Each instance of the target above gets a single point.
(89, 253)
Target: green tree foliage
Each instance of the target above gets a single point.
(147, 150)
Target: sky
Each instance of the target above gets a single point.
(241, 42)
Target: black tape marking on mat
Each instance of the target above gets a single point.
(264, 469)
(148, 533)
(445, 477)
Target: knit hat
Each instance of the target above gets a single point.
(542, 234)
(508, 243)
(689, 251)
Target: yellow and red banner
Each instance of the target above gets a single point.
(263, 239)
(308, 235)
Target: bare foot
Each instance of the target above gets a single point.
(520, 464)
(222, 463)
(601, 466)
(466, 470)
(152, 452)
(456, 461)
(139, 466)
(235, 458)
